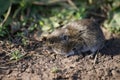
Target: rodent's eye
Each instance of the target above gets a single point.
(64, 37)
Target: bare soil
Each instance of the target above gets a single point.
(41, 65)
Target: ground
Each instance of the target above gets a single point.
(40, 65)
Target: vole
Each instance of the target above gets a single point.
(80, 35)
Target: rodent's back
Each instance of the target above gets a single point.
(88, 29)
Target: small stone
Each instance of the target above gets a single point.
(115, 73)
(29, 70)
(8, 71)
(1, 76)
(100, 72)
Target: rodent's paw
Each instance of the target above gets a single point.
(71, 53)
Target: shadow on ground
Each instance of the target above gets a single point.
(112, 47)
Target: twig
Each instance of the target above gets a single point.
(50, 2)
(98, 15)
(7, 14)
(95, 59)
(72, 4)
(56, 1)
(5, 51)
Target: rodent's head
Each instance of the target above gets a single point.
(59, 45)
(65, 47)
(60, 48)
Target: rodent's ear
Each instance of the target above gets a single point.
(44, 38)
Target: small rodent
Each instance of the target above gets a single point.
(81, 35)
